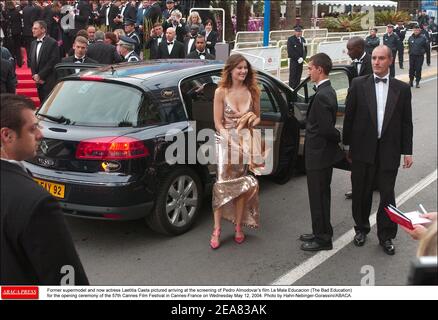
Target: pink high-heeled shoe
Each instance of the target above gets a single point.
(214, 244)
(241, 238)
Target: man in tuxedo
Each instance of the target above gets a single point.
(171, 48)
(36, 244)
(31, 13)
(102, 52)
(128, 11)
(104, 15)
(377, 130)
(297, 52)
(189, 42)
(362, 66)
(361, 60)
(44, 55)
(80, 48)
(156, 37)
(200, 51)
(321, 152)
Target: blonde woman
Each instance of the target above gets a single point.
(236, 106)
(194, 18)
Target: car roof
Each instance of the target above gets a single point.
(152, 70)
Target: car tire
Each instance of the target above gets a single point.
(177, 204)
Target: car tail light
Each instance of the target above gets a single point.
(111, 148)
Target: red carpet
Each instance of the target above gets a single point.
(26, 86)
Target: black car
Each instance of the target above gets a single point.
(106, 132)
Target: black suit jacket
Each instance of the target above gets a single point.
(81, 20)
(322, 138)
(211, 41)
(296, 49)
(186, 45)
(35, 240)
(8, 80)
(130, 12)
(13, 18)
(103, 53)
(152, 45)
(360, 123)
(366, 67)
(48, 58)
(177, 51)
(195, 55)
(71, 59)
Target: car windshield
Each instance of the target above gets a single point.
(93, 103)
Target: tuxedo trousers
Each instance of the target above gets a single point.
(362, 177)
(318, 184)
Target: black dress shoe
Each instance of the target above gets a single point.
(411, 83)
(417, 85)
(307, 237)
(388, 247)
(349, 195)
(359, 239)
(315, 246)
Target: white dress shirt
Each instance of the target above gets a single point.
(359, 63)
(170, 47)
(190, 45)
(38, 48)
(321, 82)
(381, 97)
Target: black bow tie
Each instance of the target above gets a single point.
(377, 80)
(81, 60)
(315, 88)
(202, 53)
(39, 41)
(357, 61)
(169, 43)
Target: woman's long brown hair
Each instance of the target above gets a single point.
(250, 81)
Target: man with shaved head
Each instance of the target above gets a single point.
(377, 131)
(171, 48)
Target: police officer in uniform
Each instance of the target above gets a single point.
(126, 48)
(296, 50)
(372, 41)
(400, 30)
(425, 33)
(391, 40)
(131, 33)
(418, 45)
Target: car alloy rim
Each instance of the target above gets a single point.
(182, 201)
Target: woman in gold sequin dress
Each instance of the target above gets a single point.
(236, 107)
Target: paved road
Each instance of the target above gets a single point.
(128, 253)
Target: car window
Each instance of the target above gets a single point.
(92, 103)
(198, 95)
(339, 81)
(268, 103)
(301, 95)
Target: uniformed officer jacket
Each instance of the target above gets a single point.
(392, 41)
(417, 45)
(132, 57)
(136, 37)
(371, 43)
(296, 49)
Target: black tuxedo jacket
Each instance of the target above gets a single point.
(366, 67)
(71, 59)
(81, 20)
(8, 79)
(35, 240)
(48, 58)
(360, 123)
(186, 45)
(103, 53)
(130, 12)
(195, 55)
(152, 45)
(322, 138)
(177, 51)
(211, 41)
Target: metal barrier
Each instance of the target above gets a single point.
(315, 33)
(249, 36)
(278, 35)
(253, 44)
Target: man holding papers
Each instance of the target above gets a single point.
(377, 130)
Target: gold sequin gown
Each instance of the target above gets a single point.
(233, 179)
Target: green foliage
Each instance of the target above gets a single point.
(385, 17)
(344, 23)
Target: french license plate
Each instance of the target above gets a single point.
(55, 189)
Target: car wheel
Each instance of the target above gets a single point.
(179, 200)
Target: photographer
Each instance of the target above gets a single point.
(175, 21)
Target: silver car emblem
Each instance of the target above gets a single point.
(44, 147)
(46, 162)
